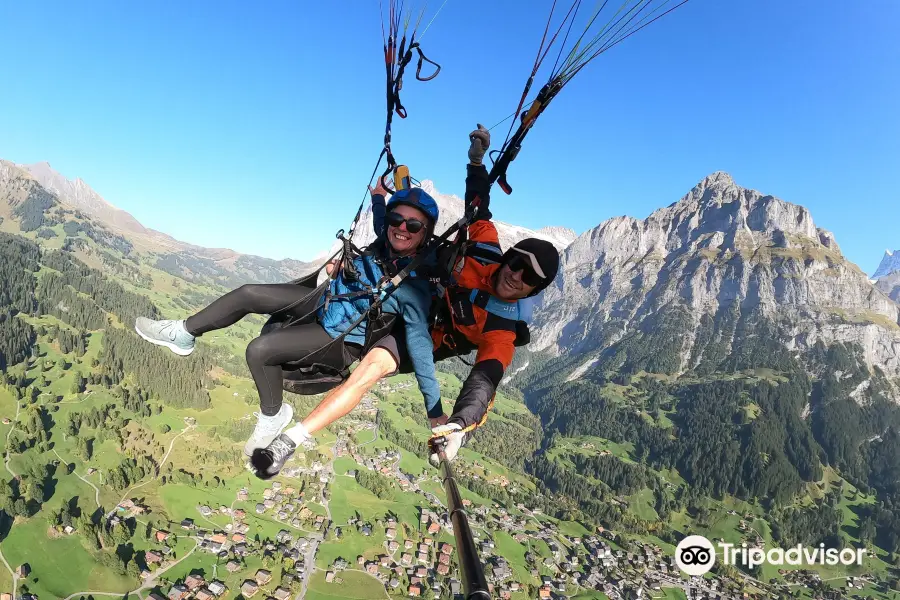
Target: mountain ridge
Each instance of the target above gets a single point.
(77, 193)
(719, 248)
(38, 191)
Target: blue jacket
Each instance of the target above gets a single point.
(411, 301)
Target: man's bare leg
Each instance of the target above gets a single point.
(375, 365)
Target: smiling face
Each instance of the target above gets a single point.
(402, 241)
(509, 285)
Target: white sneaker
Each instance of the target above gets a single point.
(170, 334)
(268, 428)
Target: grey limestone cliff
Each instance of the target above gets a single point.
(720, 251)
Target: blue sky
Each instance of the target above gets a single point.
(254, 128)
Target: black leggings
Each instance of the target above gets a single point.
(266, 353)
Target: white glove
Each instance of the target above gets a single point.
(454, 436)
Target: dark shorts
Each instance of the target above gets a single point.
(395, 343)
(396, 346)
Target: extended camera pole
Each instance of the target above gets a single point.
(473, 581)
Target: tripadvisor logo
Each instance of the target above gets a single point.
(695, 555)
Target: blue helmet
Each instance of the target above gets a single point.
(417, 198)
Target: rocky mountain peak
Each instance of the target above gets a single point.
(716, 215)
(720, 248)
(887, 277)
(718, 204)
(719, 180)
(562, 236)
(890, 263)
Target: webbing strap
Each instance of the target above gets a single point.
(511, 148)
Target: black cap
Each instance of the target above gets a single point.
(544, 253)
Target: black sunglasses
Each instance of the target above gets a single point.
(529, 277)
(395, 219)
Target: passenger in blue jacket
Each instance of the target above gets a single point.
(402, 226)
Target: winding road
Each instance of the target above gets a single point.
(377, 423)
(96, 489)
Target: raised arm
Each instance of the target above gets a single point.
(477, 181)
(379, 196)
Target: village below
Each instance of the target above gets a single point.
(357, 510)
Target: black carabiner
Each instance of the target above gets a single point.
(424, 58)
(391, 191)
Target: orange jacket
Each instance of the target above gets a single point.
(493, 335)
